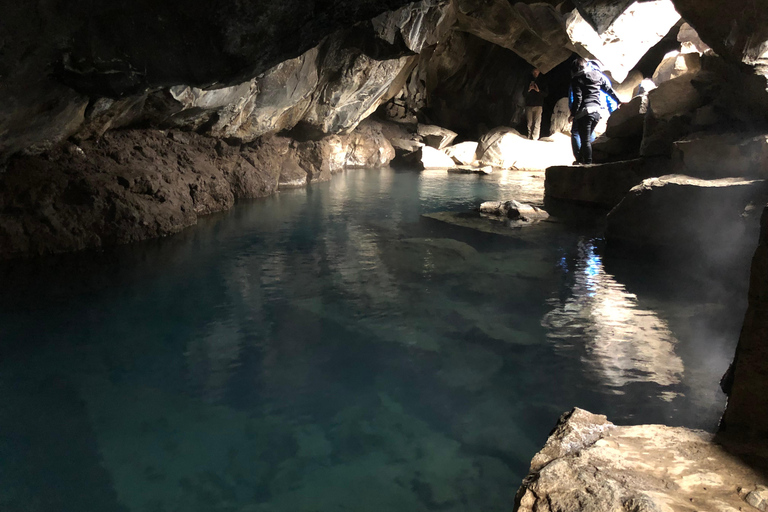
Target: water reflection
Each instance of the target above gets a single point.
(621, 342)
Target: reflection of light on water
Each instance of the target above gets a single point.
(623, 343)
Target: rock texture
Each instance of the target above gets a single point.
(590, 464)
(137, 184)
(746, 416)
(713, 155)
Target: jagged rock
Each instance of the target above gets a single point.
(723, 155)
(682, 213)
(590, 464)
(600, 14)
(535, 32)
(676, 64)
(462, 153)
(432, 158)
(690, 41)
(599, 184)
(94, 53)
(435, 136)
(366, 147)
(746, 415)
(513, 210)
(631, 35)
(419, 24)
(628, 120)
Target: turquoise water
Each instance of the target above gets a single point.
(330, 349)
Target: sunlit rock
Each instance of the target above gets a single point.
(687, 214)
(690, 41)
(600, 184)
(505, 147)
(432, 158)
(533, 31)
(723, 155)
(590, 464)
(560, 115)
(462, 153)
(628, 38)
(676, 64)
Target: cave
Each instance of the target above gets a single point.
(310, 256)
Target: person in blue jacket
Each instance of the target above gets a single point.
(594, 93)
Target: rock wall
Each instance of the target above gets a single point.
(746, 415)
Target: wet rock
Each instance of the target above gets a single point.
(590, 464)
(620, 46)
(463, 153)
(723, 155)
(683, 213)
(599, 184)
(513, 210)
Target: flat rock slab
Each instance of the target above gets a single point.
(598, 184)
(685, 213)
(588, 463)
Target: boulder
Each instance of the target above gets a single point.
(603, 185)
(674, 97)
(588, 463)
(686, 214)
(628, 120)
(560, 115)
(432, 158)
(622, 44)
(506, 148)
(690, 41)
(462, 153)
(366, 146)
(676, 64)
(723, 155)
(746, 416)
(513, 210)
(435, 136)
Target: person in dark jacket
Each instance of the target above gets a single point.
(586, 84)
(534, 104)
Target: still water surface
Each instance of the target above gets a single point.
(330, 349)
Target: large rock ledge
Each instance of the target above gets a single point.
(588, 463)
(133, 185)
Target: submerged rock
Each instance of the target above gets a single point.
(590, 464)
(513, 210)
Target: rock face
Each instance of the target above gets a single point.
(590, 464)
(137, 184)
(602, 185)
(721, 155)
(629, 37)
(746, 416)
(682, 213)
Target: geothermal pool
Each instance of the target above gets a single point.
(331, 349)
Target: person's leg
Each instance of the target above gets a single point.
(575, 142)
(586, 127)
(529, 117)
(537, 111)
